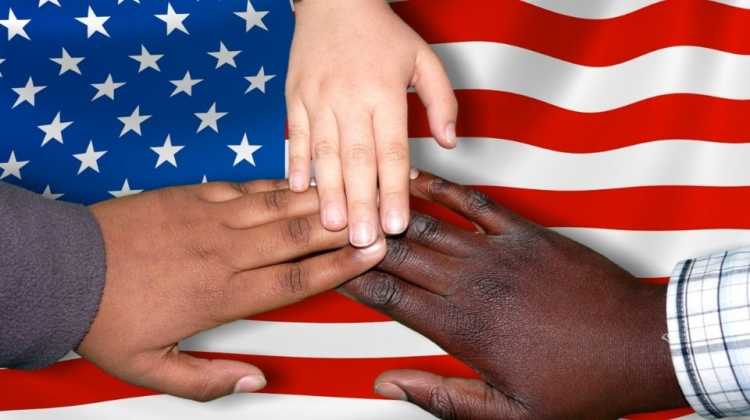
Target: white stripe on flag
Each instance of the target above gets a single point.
(681, 69)
(481, 161)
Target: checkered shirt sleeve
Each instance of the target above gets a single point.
(708, 317)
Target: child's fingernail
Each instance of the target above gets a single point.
(250, 383)
(395, 222)
(413, 174)
(362, 234)
(333, 217)
(313, 182)
(450, 134)
(297, 182)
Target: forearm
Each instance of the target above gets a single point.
(52, 269)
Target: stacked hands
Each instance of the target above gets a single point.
(553, 329)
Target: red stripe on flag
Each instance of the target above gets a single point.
(502, 115)
(80, 382)
(582, 41)
(636, 208)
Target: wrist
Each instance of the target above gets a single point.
(650, 382)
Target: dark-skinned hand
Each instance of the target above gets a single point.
(555, 330)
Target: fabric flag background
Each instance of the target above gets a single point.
(619, 123)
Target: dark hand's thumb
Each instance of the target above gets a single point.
(185, 376)
(447, 398)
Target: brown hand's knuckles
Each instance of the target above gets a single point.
(292, 279)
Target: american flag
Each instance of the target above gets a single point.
(622, 124)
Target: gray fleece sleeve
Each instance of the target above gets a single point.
(52, 271)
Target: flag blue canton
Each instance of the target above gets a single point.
(102, 97)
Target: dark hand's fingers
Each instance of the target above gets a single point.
(328, 176)
(414, 307)
(435, 90)
(469, 203)
(299, 145)
(185, 376)
(392, 147)
(448, 398)
(251, 210)
(272, 287)
(443, 237)
(360, 176)
(420, 265)
(216, 192)
(278, 242)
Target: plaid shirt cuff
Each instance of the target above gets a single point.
(708, 316)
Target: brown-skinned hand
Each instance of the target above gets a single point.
(555, 330)
(185, 259)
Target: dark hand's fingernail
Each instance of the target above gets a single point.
(413, 174)
(391, 391)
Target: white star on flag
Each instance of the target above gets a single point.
(2, 60)
(133, 122)
(43, 2)
(125, 190)
(27, 93)
(53, 130)
(174, 21)
(185, 85)
(94, 24)
(106, 88)
(15, 26)
(68, 63)
(48, 194)
(244, 151)
(134, 1)
(258, 81)
(210, 118)
(147, 60)
(252, 17)
(224, 56)
(167, 152)
(90, 158)
(12, 167)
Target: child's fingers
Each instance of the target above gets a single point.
(435, 90)
(328, 175)
(392, 147)
(299, 145)
(360, 175)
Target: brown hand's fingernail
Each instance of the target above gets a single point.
(390, 391)
(313, 182)
(395, 222)
(450, 134)
(413, 174)
(362, 234)
(374, 248)
(250, 383)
